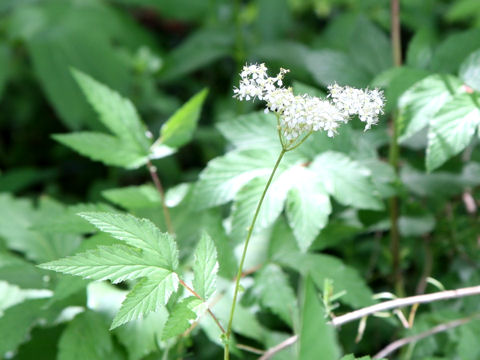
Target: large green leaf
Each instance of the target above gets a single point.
(200, 49)
(181, 317)
(452, 129)
(141, 233)
(179, 128)
(205, 267)
(118, 114)
(4, 67)
(85, 337)
(453, 51)
(346, 180)
(470, 70)
(283, 250)
(246, 202)
(308, 207)
(420, 103)
(134, 197)
(103, 147)
(330, 66)
(149, 295)
(226, 175)
(251, 131)
(316, 336)
(140, 337)
(275, 293)
(116, 263)
(16, 323)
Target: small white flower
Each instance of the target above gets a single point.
(303, 114)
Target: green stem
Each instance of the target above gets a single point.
(156, 180)
(244, 254)
(394, 155)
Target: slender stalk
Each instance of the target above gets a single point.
(394, 154)
(156, 180)
(412, 339)
(386, 305)
(194, 293)
(242, 260)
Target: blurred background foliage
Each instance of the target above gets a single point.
(159, 53)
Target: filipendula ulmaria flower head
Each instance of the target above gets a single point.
(300, 115)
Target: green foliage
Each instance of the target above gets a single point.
(179, 129)
(181, 316)
(151, 256)
(125, 83)
(86, 336)
(205, 267)
(316, 336)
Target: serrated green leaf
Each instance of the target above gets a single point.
(283, 250)
(205, 267)
(225, 176)
(181, 317)
(140, 233)
(116, 263)
(68, 221)
(316, 336)
(452, 129)
(149, 295)
(346, 180)
(246, 202)
(470, 70)
(179, 128)
(453, 51)
(141, 337)
(103, 147)
(420, 103)
(200, 49)
(276, 293)
(308, 207)
(134, 197)
(85, 337)
(16, 323)
(251, 131)
(17, 216)
(117, 113)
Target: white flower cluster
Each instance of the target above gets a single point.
(302, 114)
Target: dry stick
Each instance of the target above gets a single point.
(394, 153)
(156, 180)
(283, 345)
(411, 339)
(387, 305)
(194, 293)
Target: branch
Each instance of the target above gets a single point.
(283, 345)
(156, 180)
(387, 305)
(194, 293)
(411, 339)
(399, 303)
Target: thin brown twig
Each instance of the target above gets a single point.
(394, 153)
(387, 305)
(403, 302)
(156, 180)
(194, 293)
(251, 349)
(411, 339)
(283, 345)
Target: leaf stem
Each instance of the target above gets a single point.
(394, 154)
(242, 260)
(156, 180)
(194, 293)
